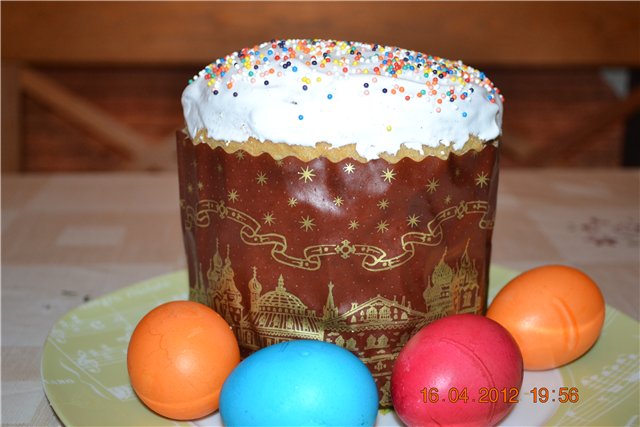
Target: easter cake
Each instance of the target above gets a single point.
(338, 191)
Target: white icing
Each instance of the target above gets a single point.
(283, 111)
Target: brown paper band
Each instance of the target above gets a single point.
(358, 254)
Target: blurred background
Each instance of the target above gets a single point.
(96, 86)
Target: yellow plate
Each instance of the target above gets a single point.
(85, 377)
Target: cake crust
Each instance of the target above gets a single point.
(280, 150)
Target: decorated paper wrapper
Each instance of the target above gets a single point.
(360, 254)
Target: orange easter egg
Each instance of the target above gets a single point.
(555, 313)
(178, 358)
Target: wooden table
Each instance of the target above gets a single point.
(70, 238)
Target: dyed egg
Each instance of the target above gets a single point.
(300, 383)
(555, 313)
(178, 358)
(462, 370)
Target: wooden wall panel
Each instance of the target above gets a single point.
(480, 33)
(144, 100)
(11, 112)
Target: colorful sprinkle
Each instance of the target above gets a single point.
(279, 57)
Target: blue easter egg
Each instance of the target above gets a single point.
(300, 383)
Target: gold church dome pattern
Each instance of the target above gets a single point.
(442, 273)
(280, 315)
(217, 259)
(254, 285)
(375, 329)
(467, 266)
(281, 300)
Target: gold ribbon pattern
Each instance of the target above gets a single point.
(374, 258)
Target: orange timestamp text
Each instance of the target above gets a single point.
(500, 395)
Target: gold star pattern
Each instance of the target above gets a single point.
(338, 201)
(412, 220)
(432, 185)
(292, 202)
(457, 172)
(261, 178)
(190, 188)
(280, 162)
(482, 179)
(447, 200)
(306, 174)
(219, 167)
(388, 175)
(353, 224)
(240, 154)
(349, 168)
(233, 196)
(383, 204)
(200, 185)
(268, 218)
(382, 226)
(307, 223)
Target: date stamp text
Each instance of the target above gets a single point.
(500, 395)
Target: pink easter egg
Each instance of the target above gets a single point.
(462, 370)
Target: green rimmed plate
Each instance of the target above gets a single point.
(85, 377)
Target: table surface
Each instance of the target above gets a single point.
(70, 238)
